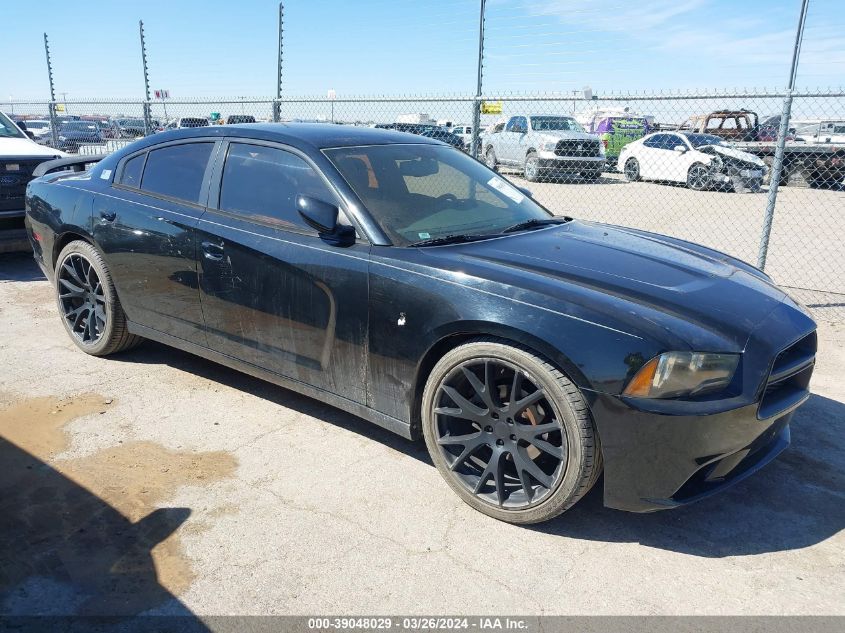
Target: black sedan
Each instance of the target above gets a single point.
(401, 280)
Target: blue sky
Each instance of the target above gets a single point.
(223, 48)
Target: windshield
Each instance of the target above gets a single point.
(700, 140)
(422, 192)
(9, 129)
(563, 123)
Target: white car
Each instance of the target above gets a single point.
(19, 156)
(464, 131)
(40, 129)
(820, 131)
(702, 161)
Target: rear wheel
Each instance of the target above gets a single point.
(509, 432)
(632, 170)
(88, 303)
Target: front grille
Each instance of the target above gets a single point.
(789, 380)
(577, 148)
(13, 181)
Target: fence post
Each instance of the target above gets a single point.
(277, 106)
(148, 123)
(476, 103)
(54, 124)
(780, 148)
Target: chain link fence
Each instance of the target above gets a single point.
(696, 166)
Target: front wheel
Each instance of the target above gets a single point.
(490, 158)
(698, 177)
(88, 303)
(531, 169)
(509, 432)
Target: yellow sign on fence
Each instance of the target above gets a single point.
(491, 107)
(60, 107)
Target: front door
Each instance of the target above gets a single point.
(273, 293)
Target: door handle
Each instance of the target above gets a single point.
(212, 251)
(108, 216)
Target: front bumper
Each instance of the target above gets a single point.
(654, 461)
(551, 161)
(663, 453)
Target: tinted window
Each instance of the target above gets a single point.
(177, 170)
(131, 176)
(654, 141)
(517, 122)
(263, 182)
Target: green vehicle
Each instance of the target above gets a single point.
(617, 130)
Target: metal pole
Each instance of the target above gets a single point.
(54, 123)
(777, 165)
(277, 114)
(148, 122)
(476, 104)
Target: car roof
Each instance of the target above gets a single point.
(299, 135)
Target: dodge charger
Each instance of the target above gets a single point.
(401, 280)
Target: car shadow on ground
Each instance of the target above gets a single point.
(66, 552)
(793, 503)
(19, 267)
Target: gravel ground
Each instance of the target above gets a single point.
(157, 482)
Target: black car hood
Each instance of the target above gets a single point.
(631, 280)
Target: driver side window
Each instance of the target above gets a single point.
(517, 124)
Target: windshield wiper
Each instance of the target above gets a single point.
(535, 223)
(451, 239)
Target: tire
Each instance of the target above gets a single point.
(632, 170)
(86, 297)
(490, 158)
(698, 177)
(531, 168)
(500, 440)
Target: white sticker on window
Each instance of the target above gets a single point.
(509, 190)
(424, 236)
(105, 174)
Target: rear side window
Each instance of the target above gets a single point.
(263, 182)
(131, 176)
(177, 170)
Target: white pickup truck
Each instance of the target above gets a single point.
(19, 156)
(543, 146)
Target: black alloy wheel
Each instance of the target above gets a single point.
(82, 299)
(510, 434)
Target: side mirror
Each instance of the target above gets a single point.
(680, 149)
(30, 134)
(526, 191)
(322, 217)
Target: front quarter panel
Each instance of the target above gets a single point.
(417, 311)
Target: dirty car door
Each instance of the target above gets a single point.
(145, 222)
(273, 293)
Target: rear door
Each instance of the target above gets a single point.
(509, 140)
(274, 294)
(145, 225)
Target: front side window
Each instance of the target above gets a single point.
(263, 182)
(177, 170)
(516, 124)
(420, 192)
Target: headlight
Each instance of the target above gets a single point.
(549, 147)
(676, 374)
(62, 138)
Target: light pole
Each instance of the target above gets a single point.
(476, 104)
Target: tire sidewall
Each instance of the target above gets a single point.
(566, 489)
(95, 259)
(693, 167)
(635, 166)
